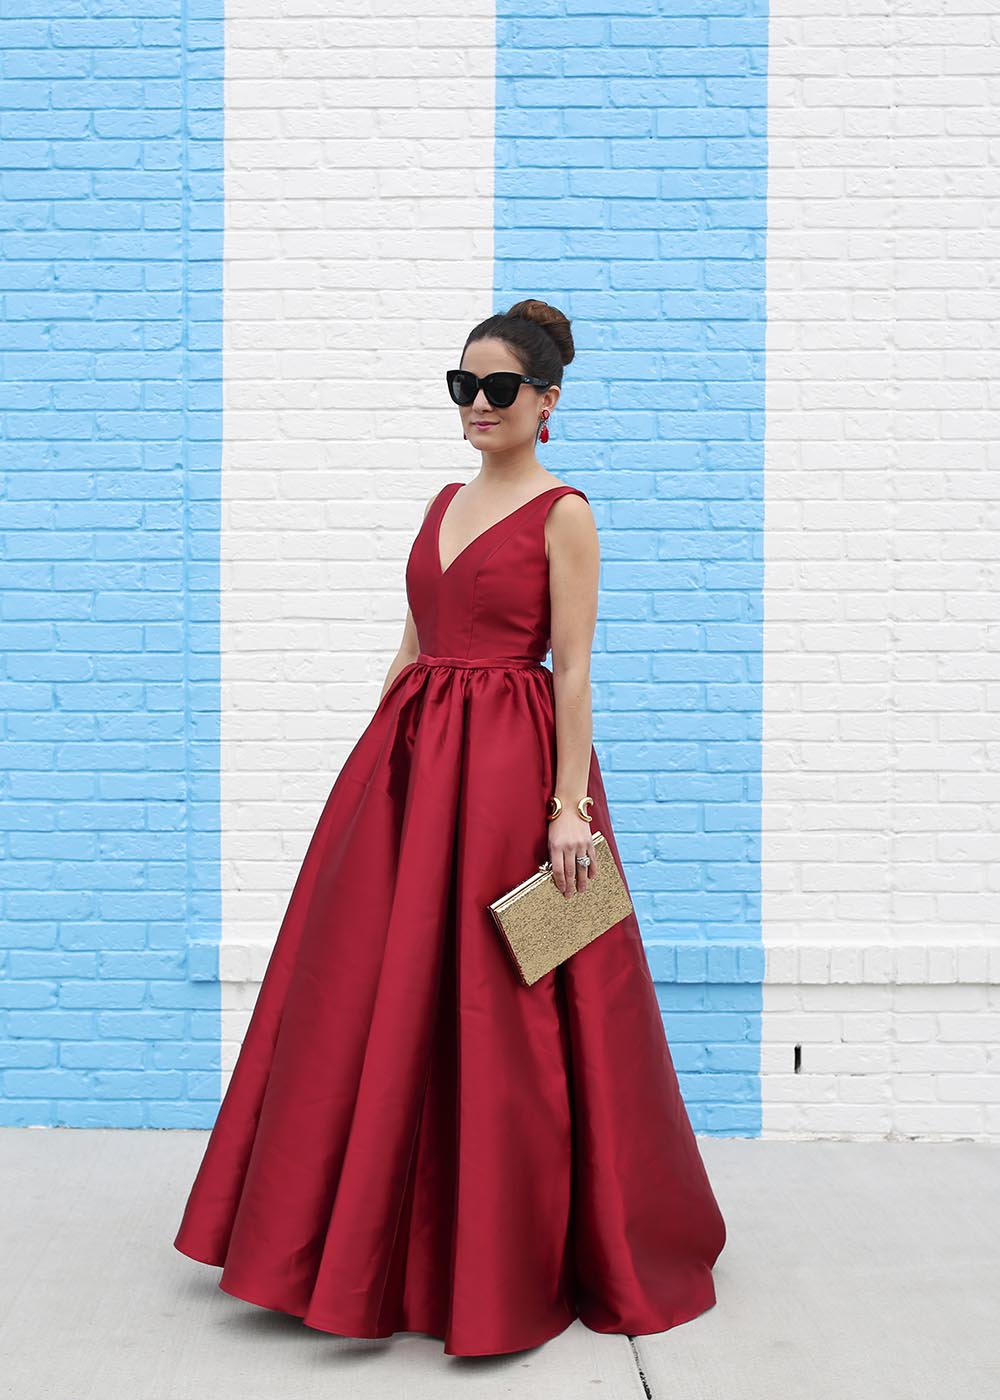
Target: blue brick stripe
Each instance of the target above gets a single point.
(110, 431)
(630, 191)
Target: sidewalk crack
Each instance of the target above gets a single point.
(638, 1366)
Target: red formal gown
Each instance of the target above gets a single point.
(411, 1139)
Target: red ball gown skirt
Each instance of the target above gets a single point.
(411, 1139)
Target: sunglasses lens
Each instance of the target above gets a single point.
(501, 388)
(461, 386)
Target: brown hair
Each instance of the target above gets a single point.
(538, 334)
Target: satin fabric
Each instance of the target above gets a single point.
(411, 1139)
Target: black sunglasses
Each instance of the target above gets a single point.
(500, 388)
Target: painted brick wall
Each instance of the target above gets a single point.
(359, 251)
(110, 423)
(631, 183)
(374, 210)
(214, 467)
(374, 214)
(881, 761)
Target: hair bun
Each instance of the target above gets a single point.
(552, 320)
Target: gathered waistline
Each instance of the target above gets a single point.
(426, 658)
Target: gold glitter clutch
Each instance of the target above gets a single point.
(542, 927)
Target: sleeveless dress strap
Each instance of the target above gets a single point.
(443, 497)
(559, 491)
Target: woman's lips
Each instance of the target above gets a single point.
(485, 425)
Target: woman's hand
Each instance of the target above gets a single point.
(569, 837)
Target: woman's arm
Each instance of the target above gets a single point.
(574, 567)
(409, 646)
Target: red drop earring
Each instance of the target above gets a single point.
(544, 434)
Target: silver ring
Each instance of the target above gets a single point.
(583, 860)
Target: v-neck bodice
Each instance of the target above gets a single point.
(492, 600)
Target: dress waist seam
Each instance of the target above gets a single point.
(426, 658)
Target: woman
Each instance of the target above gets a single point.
(413, 1140)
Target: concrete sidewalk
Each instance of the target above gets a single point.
(852, 1271)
